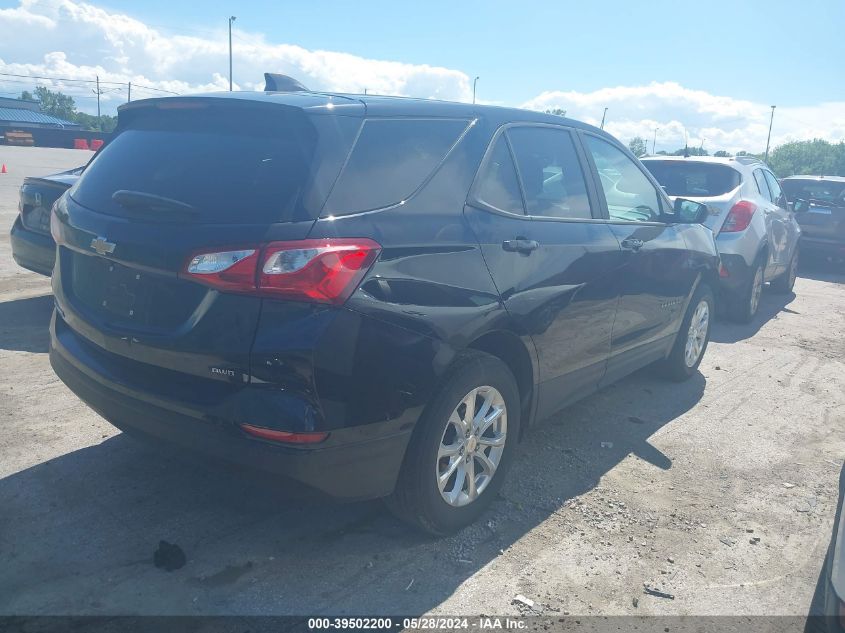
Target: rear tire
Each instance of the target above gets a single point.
(692, 339)
(743, 307)
(445, 483)
(786, 282)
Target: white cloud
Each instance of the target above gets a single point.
(81, 41)
(73, 39)
(719, 122)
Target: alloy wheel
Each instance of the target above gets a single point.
(697, 333)
(472, 445)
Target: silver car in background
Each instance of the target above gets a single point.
(754, 225)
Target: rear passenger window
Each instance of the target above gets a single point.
(629, 193)
(497, 183)
(551, 174)
(391, 159)
(762, 187)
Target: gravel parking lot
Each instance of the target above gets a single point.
(720, 491)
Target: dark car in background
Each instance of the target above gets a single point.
(823, 220)
(373, 296)
(32, 246)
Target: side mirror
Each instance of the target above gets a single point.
(799, 206)
(690, 212)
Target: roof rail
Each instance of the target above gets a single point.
(276, 82)
(747, 160)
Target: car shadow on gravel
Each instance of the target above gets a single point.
(771, 305)
(86, 523)
(24, 324)
(819, 622)
(821, 268)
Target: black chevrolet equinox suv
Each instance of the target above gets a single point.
(372, 296)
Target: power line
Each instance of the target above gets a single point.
(155, 89)
(75, 95)
(88, 81)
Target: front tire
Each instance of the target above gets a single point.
(692, 339)
(461, 448)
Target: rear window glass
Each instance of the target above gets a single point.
(691, 179)
(391, 159)
(828, 192)
(235, 164)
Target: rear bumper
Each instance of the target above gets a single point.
(31, 250)
(354, 463)
(738, 273)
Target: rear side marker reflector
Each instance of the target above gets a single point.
(321, 271)
(283, 436)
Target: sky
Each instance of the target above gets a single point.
(707, 71)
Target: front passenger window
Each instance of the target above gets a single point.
(629, 194)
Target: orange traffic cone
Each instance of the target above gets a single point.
(3, 169)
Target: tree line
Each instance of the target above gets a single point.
(817, 157)
(64, 107)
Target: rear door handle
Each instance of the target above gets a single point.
(632, 243)
(521, 245)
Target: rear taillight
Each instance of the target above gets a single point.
(227, 270)
(326, 271)
(739, 217)
(323, 270)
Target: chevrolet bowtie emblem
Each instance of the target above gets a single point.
(102, 246)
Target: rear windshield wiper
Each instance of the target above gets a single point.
(139, 200)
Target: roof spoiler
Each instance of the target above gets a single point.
(276, 82)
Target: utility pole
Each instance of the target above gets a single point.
(231, 19)
(603, 117)
(654, 142)
(99, 92)
(768, 140)
(474, 81)
(129, 93)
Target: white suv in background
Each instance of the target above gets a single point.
(755, 227)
